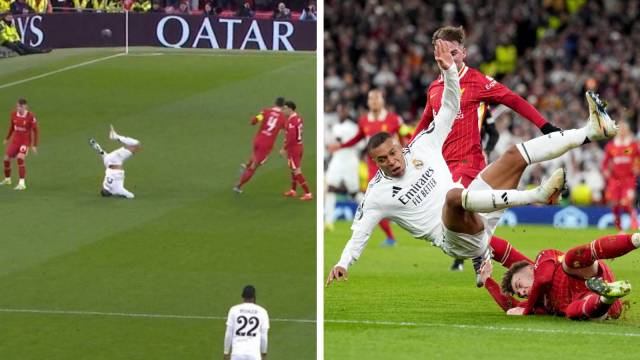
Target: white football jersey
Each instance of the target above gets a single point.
(249, 322)
(414, 200)
(341, 133)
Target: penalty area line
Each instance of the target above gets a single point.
(134, 315)
(70, 67)
(482, 327)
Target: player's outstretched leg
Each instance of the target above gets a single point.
(606, 247)
(293, 191)
(95, 146)
(303, 183)
(7, 172)
(602, 302)
(125, 140)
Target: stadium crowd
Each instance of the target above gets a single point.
(264, 9)
(548, 52)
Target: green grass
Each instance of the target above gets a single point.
(449, 317)
(187, 244)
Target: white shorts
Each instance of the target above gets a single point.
(465, 246)
(343, 173)
(245, 357)
(114, 183)
(116, 157)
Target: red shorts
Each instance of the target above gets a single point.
(621, 191)
(294, 157)
(464, 174)
(14, 148)
(373, 168)
(261, 152)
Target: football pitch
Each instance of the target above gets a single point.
(85, 277)
(404, 303)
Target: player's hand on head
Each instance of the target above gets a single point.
(443, 55)
(337, 273)
(516, 311)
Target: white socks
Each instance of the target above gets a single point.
(635, 240)
(127, 140)
(484, 201)
(552, 145)
(330, 207)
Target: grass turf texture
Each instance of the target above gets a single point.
(449, 318)
(187, 244)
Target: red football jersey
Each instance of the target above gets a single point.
(369, 125)
(621, 159)
(293, 130)
(21, 128)
(463, 145)
(271, 121)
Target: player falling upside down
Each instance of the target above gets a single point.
(463, 148)
(271, 122)
(414, 186)
(555, 283)
(23, 132)
(113, 184)
(293, 147)
(620, 167)
(376, 120)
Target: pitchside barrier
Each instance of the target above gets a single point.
(558, 216)
(66, 30)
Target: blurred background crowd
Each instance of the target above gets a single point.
(549, 52)
(261, 9)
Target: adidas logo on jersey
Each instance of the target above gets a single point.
(395, 191)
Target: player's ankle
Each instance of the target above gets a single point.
(635, 240)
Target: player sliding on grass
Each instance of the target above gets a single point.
(271, 122)
(23, 132)
(113, 184)
(415, 189)
(555, 283)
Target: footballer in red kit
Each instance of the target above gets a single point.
(572, 284)
(377, 120)
(23, 134)
(293, 147)
(462, 149)
(271, 122)
(620, 168)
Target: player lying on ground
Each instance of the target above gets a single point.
(620, 167)
(555, 283)
(293, 149)
(415, 189)
(23, 132)
(247, 332)
(113, 183)
(271, 122)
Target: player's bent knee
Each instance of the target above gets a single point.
(454, 198)
(514, 156)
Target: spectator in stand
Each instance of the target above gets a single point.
(309, 13)
(156, 7)
(183, 8)
(281, 12)
(141, 6)
(5, 6)
(114, 5)
(99, 6)
(21, 7)
(40, 6)
(9, 38)
(209, 10)
(245, 11)
(80, 5)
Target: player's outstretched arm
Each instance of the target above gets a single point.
(338, 273)
(450, 106)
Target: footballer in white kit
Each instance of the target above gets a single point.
(342, 172)
(113, 183)
(414, 186)
(246, 337)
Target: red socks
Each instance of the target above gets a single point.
(21, 169)
(589, 307)
(607, 247)
(246, 175)
(7, 168)
(506, 254)
(386, 227)
(303, 182)
(294, 182)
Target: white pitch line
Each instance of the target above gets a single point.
(482, 327)
(135, 315)
(71, 67)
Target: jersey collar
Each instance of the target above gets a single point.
(383, 115)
